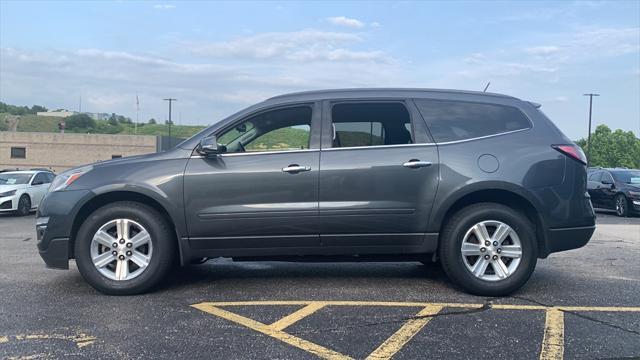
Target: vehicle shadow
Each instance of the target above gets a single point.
(227, 271)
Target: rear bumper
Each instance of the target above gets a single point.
(568, 238)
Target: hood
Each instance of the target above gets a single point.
(4, 188)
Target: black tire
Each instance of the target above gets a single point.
(162, 240)
(622, 205)
(451, 242)
(24, 205)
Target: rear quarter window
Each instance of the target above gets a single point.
(457, 120)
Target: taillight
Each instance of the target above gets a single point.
(573, 151)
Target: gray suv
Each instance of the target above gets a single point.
(484, 183)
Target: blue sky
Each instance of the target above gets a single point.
(218, 57)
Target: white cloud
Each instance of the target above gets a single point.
(164, 6)
(345, 21)
(542, 50)
(304, 45)
(374, 24)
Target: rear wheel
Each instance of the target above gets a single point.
(488, 249)
(24, 205)
(124, 248)
(622, 205)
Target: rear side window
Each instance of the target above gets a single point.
(457, 120)
(595, 176)
(370, 124)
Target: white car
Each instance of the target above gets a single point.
(22, 191)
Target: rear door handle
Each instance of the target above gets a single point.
(414, 164)
(295, 168)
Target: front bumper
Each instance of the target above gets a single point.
(54, 224)
(635, 205)
(8, 203)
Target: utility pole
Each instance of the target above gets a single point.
(170, 100)
(137, 114)
(590, 95)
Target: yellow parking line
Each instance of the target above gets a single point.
(553, 341)
(302, 344)
(401, 337)
(4, 339)
(297, 316)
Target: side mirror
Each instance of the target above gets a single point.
(208, 146)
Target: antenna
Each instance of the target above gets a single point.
(486, 87)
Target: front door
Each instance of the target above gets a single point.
(261, 192)
(379, 175)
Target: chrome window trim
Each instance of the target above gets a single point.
(257, 153)
(484, 137)
(377, 146)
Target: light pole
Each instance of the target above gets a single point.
(591, 95)
(170, 100)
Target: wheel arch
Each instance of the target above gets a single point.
(105, 198)
(508, 196)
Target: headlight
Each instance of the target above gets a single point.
(66, 178)
(8, 193)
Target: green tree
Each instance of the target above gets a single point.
(152, 121)
(608, 148)
(80, 122)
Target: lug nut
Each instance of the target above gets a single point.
(499, 250)
(121, 241)
(129, 245)
(128, 253)
(114, 253)
(114, 245)
(495, 257)
(495, 243)
(487, 242)
(483, 249)
(121, 257)
(486, 257)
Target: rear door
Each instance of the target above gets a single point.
(593, 187)
(378, 178)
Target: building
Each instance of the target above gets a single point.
(59, 152)
(59, 113)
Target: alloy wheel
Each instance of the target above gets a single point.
(121, 249)
(491, 250)
(621, 205)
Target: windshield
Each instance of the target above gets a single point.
(14, 178)
(628, 177)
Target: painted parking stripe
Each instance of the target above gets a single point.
(401, 337)
(553, 341)
(552, 347)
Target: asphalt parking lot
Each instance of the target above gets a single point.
(581, 304)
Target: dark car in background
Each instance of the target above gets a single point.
(615, 189)
(483, 182)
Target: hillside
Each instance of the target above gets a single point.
(33, 123)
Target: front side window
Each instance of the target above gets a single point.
(277, 130)
(370, 124)
(40, 179)
(457, 120)
(627, 176)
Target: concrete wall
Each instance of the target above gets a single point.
(63, 151)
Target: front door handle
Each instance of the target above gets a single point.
(295, 168)
(414, 164)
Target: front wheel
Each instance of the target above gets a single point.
(124, 248)
(622, 208)
(488, 249)
(24, 205)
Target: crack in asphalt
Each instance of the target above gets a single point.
(580, 315)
